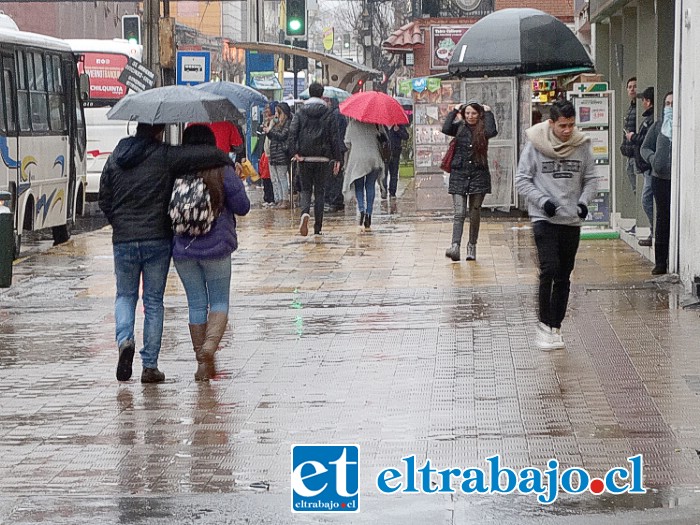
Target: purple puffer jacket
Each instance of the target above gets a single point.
(221, 241)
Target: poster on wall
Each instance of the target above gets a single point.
(443, 41)
(591, 112)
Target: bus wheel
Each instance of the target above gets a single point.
(61, 234)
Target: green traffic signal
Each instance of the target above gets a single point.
(296, 17)
(294, 25)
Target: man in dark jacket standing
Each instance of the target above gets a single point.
(644, 168)
(630, 124)
(135, 189)
(397, 134)
(313, 143)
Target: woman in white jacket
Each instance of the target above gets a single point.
(364, 165)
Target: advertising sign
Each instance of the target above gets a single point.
(443, 41)
(137, 77)
(591, 111)
(104, 70)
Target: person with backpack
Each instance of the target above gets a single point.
(364, 166)
(202, 253)
(135, 189)
(313, 144)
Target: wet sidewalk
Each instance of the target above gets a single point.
(368, 338)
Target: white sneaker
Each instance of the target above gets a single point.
(545, 337)
(557, 339)
(304, 225)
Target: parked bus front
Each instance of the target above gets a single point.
(103, 61)
(42, 133)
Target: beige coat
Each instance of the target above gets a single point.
(363, 152)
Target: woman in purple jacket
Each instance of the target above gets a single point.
(204, 262)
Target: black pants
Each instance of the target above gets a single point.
(268, 193)
(556, 248)
(313, 179)
(661, 188)
(334, 191)
(391, 173)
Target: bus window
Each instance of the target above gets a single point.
(3, 103)
(22, 93)
(58, 78)
(39, 105)
(57, 102)
(7, 82)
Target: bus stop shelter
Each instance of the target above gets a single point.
(336, 71)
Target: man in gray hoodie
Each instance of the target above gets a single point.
(556, 175)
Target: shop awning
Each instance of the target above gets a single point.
(404, 38)
(264, 80)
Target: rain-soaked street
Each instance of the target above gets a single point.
(373, 339)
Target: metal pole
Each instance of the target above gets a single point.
(151, 17)
(294, 71)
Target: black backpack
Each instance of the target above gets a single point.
(313, 135)
(190, 206)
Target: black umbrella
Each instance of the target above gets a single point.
(513, 42)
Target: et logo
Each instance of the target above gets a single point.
(325, 478)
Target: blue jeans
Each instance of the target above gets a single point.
(366, 185)
(133, 261)
(648, 199)
(207, 284)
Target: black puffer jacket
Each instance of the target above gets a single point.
(638, 139)
(314, 119)
(137, 181)
(467, 176)
(627, 147)
(278, 136)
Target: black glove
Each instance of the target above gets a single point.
(582, 210)
(550, 208)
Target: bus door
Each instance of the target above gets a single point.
(9, 148)
(75, 120)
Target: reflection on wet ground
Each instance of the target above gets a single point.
(369, 338)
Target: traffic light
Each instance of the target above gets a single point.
(131, 28)
(296, 17)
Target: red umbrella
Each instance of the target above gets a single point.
(373, 107)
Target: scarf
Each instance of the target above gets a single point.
(667, 124)
(546, 142)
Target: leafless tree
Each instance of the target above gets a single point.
(385, 16)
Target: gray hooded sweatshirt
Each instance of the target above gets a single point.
(563, 172)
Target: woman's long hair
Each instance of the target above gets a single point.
(480, 144)
(214, 178)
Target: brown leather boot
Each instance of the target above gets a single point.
(216, 326)
(198, 334)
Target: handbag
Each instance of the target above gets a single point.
(446, 163)
(249, 171)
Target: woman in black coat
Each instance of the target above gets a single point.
(472, 124)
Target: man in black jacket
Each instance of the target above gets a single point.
(313, 143)
(135, 189)
(643, 167)
(630, 124)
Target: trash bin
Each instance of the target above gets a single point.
(7, 242)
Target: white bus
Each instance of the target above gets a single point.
(42, 132)
(103, 61)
